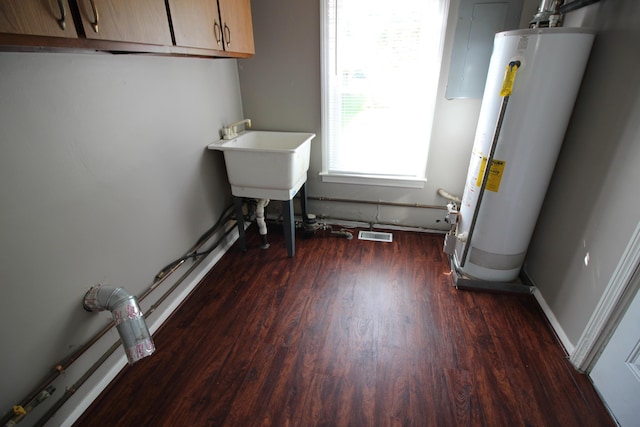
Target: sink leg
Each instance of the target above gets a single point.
(237, 202)
(303, 201)
(289, 226)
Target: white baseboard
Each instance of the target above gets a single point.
(98, 381)
(562, 336)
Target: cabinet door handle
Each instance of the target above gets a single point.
(63, 15)
(94, 24)
(217, 32)
(227, 35)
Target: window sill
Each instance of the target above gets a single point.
(378, 180)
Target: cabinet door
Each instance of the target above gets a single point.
(37, 17)
(139, 21)
(237, 27)
(196, 23)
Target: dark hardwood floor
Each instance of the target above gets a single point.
(349, 333)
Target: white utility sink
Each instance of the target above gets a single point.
(266, 164)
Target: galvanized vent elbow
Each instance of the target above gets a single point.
(127, 316)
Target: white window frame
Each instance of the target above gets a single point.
(424, 128)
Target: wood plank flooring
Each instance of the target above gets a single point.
(349, 333)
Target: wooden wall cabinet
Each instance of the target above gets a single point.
(209, 28)
(223, 25)
(51, 18)
(196, 23)
(237, 26)
(139, 21)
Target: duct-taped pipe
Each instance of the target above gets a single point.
(127, 317)
(262, 225)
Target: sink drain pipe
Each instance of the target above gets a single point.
(262, 225)
(127, 317)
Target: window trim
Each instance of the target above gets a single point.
(379, 180)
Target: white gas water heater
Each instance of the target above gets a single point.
(533, 80)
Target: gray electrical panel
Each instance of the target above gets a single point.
(478, 22)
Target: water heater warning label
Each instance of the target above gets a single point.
(495, 174)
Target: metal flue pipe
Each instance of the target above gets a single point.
(548, 14)
(127, 317)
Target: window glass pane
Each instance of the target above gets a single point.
(382, 65)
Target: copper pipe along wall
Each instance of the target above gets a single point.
(61, 366)
(71, 390)
(380, 203)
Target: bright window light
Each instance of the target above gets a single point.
(380, 70)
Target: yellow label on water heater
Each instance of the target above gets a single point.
(495, 174)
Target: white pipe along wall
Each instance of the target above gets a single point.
(260, 221)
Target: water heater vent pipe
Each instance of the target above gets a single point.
(127, 317)
(548, 14)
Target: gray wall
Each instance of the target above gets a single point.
(104, 178)
(591, 206)
(281, 91)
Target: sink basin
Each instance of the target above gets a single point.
(266, 164)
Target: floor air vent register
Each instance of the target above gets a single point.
(375, 236)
